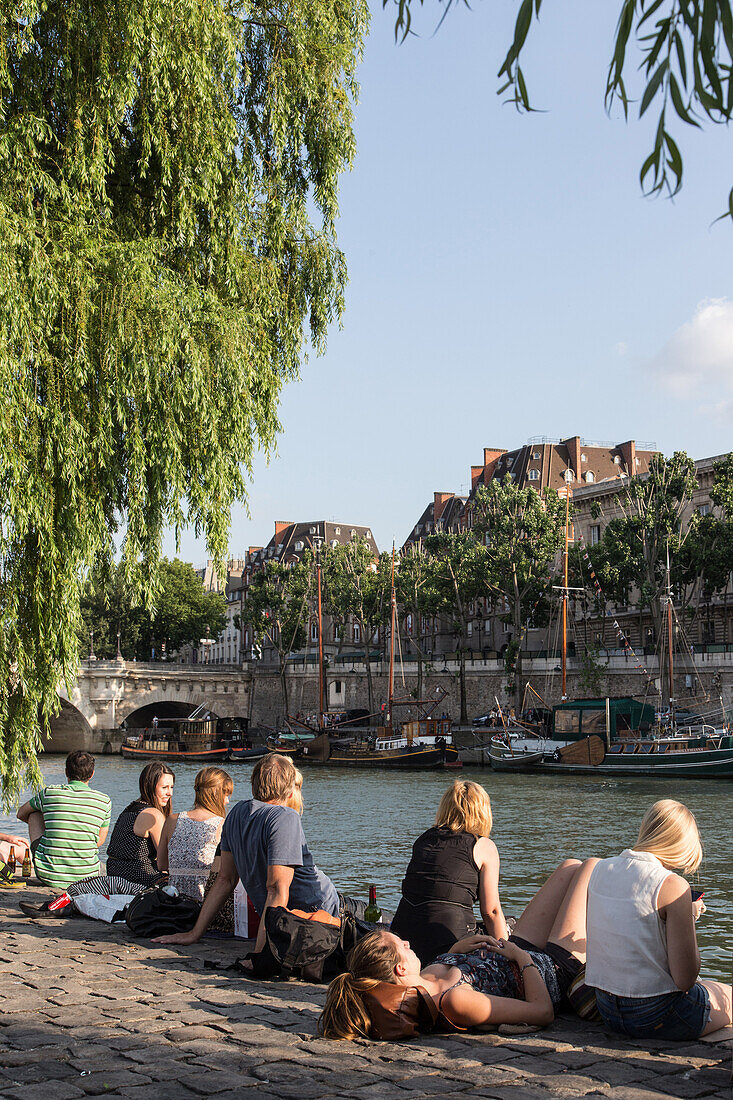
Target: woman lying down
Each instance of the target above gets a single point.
(481, 982)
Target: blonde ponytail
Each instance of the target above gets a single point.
(344, 1015)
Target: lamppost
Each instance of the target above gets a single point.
(206, 644)
(92, 656)
(119, 651)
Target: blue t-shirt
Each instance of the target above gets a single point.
(260, 835)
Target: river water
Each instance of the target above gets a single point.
(360, 827)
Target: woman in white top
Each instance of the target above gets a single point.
(643, 957)
(189, 839)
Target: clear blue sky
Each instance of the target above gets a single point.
(506, 278)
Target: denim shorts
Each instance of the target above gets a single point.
(666, 1016)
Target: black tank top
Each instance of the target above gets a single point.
(438, 892)
(131, 856)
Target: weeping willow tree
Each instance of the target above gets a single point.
(168, 192)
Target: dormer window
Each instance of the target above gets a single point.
(337, 530)
(299, 545)
(536, 455)
(617, 460)
(590, 476)
(312, 531)
(334, 543)
(368, 534)
(353, 533)
(568, 475)
(534, 475)
(583, 458)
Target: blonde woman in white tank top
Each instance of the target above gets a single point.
(642, 948)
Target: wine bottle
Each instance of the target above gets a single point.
(372, 913)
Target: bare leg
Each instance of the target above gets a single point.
(720, 1006)
(538, 919)
(569, 929)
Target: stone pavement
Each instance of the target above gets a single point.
(87, 1010)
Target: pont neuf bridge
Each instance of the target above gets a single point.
(111, 696)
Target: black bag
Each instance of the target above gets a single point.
(157, 913)
(298, 947)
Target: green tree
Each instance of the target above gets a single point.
(631, 559)
(357, 588)
(418, 594)
(182, 614)
(523, 533)
(686, 49)
(461, 568)
(277, 608)
(168, 195)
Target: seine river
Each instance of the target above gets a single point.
(360, 827)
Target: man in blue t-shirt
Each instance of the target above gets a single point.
(262, 843)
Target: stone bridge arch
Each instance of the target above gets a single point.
(70, 730)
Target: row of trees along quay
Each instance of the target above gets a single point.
(512, 556)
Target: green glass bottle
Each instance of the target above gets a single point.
(373, 913)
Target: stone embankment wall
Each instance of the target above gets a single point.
(482, 686)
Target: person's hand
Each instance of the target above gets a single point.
(471, 943)
(509, 951)
(698, 908)
(16, 841)
(183, 939)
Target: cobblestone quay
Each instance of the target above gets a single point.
(87, 1010)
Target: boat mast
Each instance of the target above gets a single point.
(669, 643)
(393, 602)
(317, 542)
(565, 601)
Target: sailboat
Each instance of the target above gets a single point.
(615, 736)
(417, 743)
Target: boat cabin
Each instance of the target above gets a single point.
(573, 721)
(419, 731)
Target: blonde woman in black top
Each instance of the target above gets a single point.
(454, 864)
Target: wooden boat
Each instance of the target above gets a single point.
(616, 737)
(191, 740)
(422, 743)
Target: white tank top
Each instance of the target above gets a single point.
(627, 939)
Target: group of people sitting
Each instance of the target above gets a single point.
(617, 932)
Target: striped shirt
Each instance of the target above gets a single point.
(73, 816)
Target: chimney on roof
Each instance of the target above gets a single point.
(439, 502)
(628, 456)
(486, 472)
(573, 446)
(280, 526)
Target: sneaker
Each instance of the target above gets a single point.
(56, 907)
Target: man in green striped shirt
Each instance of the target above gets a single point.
(67, 823)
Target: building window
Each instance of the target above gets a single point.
(408, 624)
(312, 531)
(353, 533)
(469, 629)
(357, 632)
(704, 509)
(334, 543)
(368, 534)
(590, 476)
(568, 475)
(314, 632)
(617, 460)
(337, 530)
(299, 545)
(536, 455)
(336, 632)
(337, 687)
(595, 534)
(534, 475)
(583, 458)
